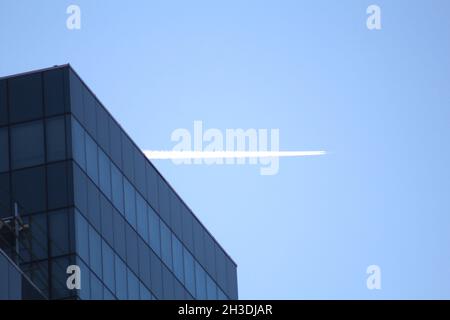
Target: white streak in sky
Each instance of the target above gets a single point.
(160, 155)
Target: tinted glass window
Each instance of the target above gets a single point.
(127, 157)
(57, 185)
(164, 207)
(200, 281)
(115, 140)
(104, 173)
(29, 189)
(56, 139)
(103, 128)
(4, 150)
(156, 275)
(85, 291)
(117, 188)
(132, 248)
(144, 262)
(91, 159)
(130, 203)
(168, 284)
(93, 205)
(189, 272)
(108, 266)
(210, 254)
(221, 272)
(199, 243)
(177, 254)
(175, 214)
(27, 145)
(154, 231)
(166, 245)
(152, 185)
(90, 112)
(142, 217)
(76, 96)
(38, 236)
(80, 189)
(96, 288)
(54, 92)
(119, 234)
(107, 220)
(25, 98)
(61, 226)
(3, 104)
(78, 149)
(121, 279)
(133, 286)
(144, 292)
(95, 251)
(82, 236)
(188, 235)
(211, 290)
(139, 171)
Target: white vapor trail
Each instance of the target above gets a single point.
(160, 155)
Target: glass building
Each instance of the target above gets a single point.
(76, 190)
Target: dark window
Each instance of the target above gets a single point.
(130, 202)
(188, 235)
(38, 244)
(5, 195)
(121, 279)
(152, 185)
(79, 151)
(93, 205)
(107, 220)
(231, 279)
(156, 275)
(76, 96)
(25, 98)
(154, 231)
(61, 234)
(27, 145)
(82, 236)
(199, 242)
(142, 217)
(115, 139)
(189, 272)
(144, 262)
(200, 281)
(85, 291)
(132, 248)
(164, 207)
(145, 294)
(103, 128)
(117, 188)
(3, 104)
(119, 234)
(104, 167)
(56, 139)
(4, 150)
(127, 157)
(177, 254)
(80, 189)
(108, 266)
(54, 96)
(168, 285)
(95, 251)
(166, 245)
(96, 288)
(59, 288)
(133, 286)
(29, 189)
(139, 171)
(175, 214)
(91, 159)
(90, 112)
(221, 272)
(57, 185)
(211, 289)
(210, 255)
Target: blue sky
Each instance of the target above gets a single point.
(377, 101)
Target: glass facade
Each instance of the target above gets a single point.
(98, 201)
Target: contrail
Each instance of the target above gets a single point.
(160, 155)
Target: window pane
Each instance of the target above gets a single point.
(103, 128)
(144, 292)
(29, 189)
(121, 279)
(82, 236)
(54, 92)
(90, 112)
(166, 245)
(132, 248)
(107, 220)
(85, 291)
(139, 171)
(80, 189)
(142, 218)
(154, 231)
(25, 98)
(93, 205)
(177, 254)
(189, 272)
(4, 150)
(144, 262)
(211, 289)
(130, 203)
(27, 145)
(152, 185)
(221, 295)
(91, 159)
(108, 266)
(133, 286)
(95, 251)
(200, 281)
(61, 224)
(3, 103)
(127, 157)
(119, 234)
(115, 139)
(76, 96)
(57, 185)
(78, 149)
(96, 288)
(117, 188)
(104, 173)
(56, 139)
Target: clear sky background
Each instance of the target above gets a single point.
(377, 101)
